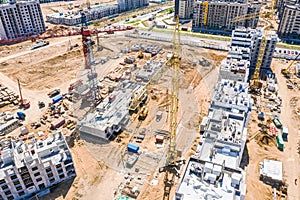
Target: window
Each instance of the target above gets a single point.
(61, 176)
(39, 179)
(60, 171)
(34, 169)
(41, 186)
(37, 174)
(50, 175)
(52, 180)
(2, 181)
(21, 193)
(48, 169)
(16, 182)
(10, 198)
(19, 188)
(13, 177)
(4, 187)
(7, 192)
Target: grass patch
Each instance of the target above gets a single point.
(144, 23)
(134, 22)
(287, 46)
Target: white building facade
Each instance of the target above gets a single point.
(21, 19)
(33, 168)
(125, 5)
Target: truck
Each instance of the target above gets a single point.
(261, 116)
(21, 115)
(54, 93)
(277, 123)
(57, 99)
(57, 123)
(40, 44)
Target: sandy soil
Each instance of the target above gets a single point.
(258, 151)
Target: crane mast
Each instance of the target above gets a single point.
(175, 63)
(172, 165)
(254, 82)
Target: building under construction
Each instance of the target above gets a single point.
(112, 115)
(214, 171)
(217, 16)
(95, 12)
(32, 168)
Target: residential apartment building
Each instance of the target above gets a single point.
(185, 9)
(289, 26)
(215, 172)
(125, 5)
(96, 12)
(220, 14)
(280, 4)
(250, 40)
(21, 19)
(34, 167)
(216, 169)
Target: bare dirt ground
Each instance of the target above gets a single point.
(258, 151)
(89, 171)
(53, 66)
(45, 67)
(202, 92)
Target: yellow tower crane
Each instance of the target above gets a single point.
(205, 12)
(286, 71)
(245, 17)
(273, 7)
(88, 4)
(172, 166)
(254, 82)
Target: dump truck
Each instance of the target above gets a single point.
(54, 93)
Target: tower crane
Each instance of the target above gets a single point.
(254, 82)
(172, 166)
(286, 71)
(88, 4)
(245, 17)
(87, 44)
(205, 12)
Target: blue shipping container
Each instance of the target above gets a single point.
(132, 148)
(57, 99)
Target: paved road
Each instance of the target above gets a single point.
(28, 51)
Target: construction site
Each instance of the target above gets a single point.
(109, 114)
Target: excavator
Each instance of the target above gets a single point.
(286, 71)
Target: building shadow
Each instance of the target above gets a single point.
(56, 191)
(245, 157)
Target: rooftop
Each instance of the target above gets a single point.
(112, 112)
(15, 152)
(205, 180)
(234, 69)
(272, 169)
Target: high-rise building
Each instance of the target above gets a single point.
(218, 15)
(32, 168)
(185, 9)
(21, 19)
(280, 4)
(125, 5)
(289, 26)
(249, 43)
